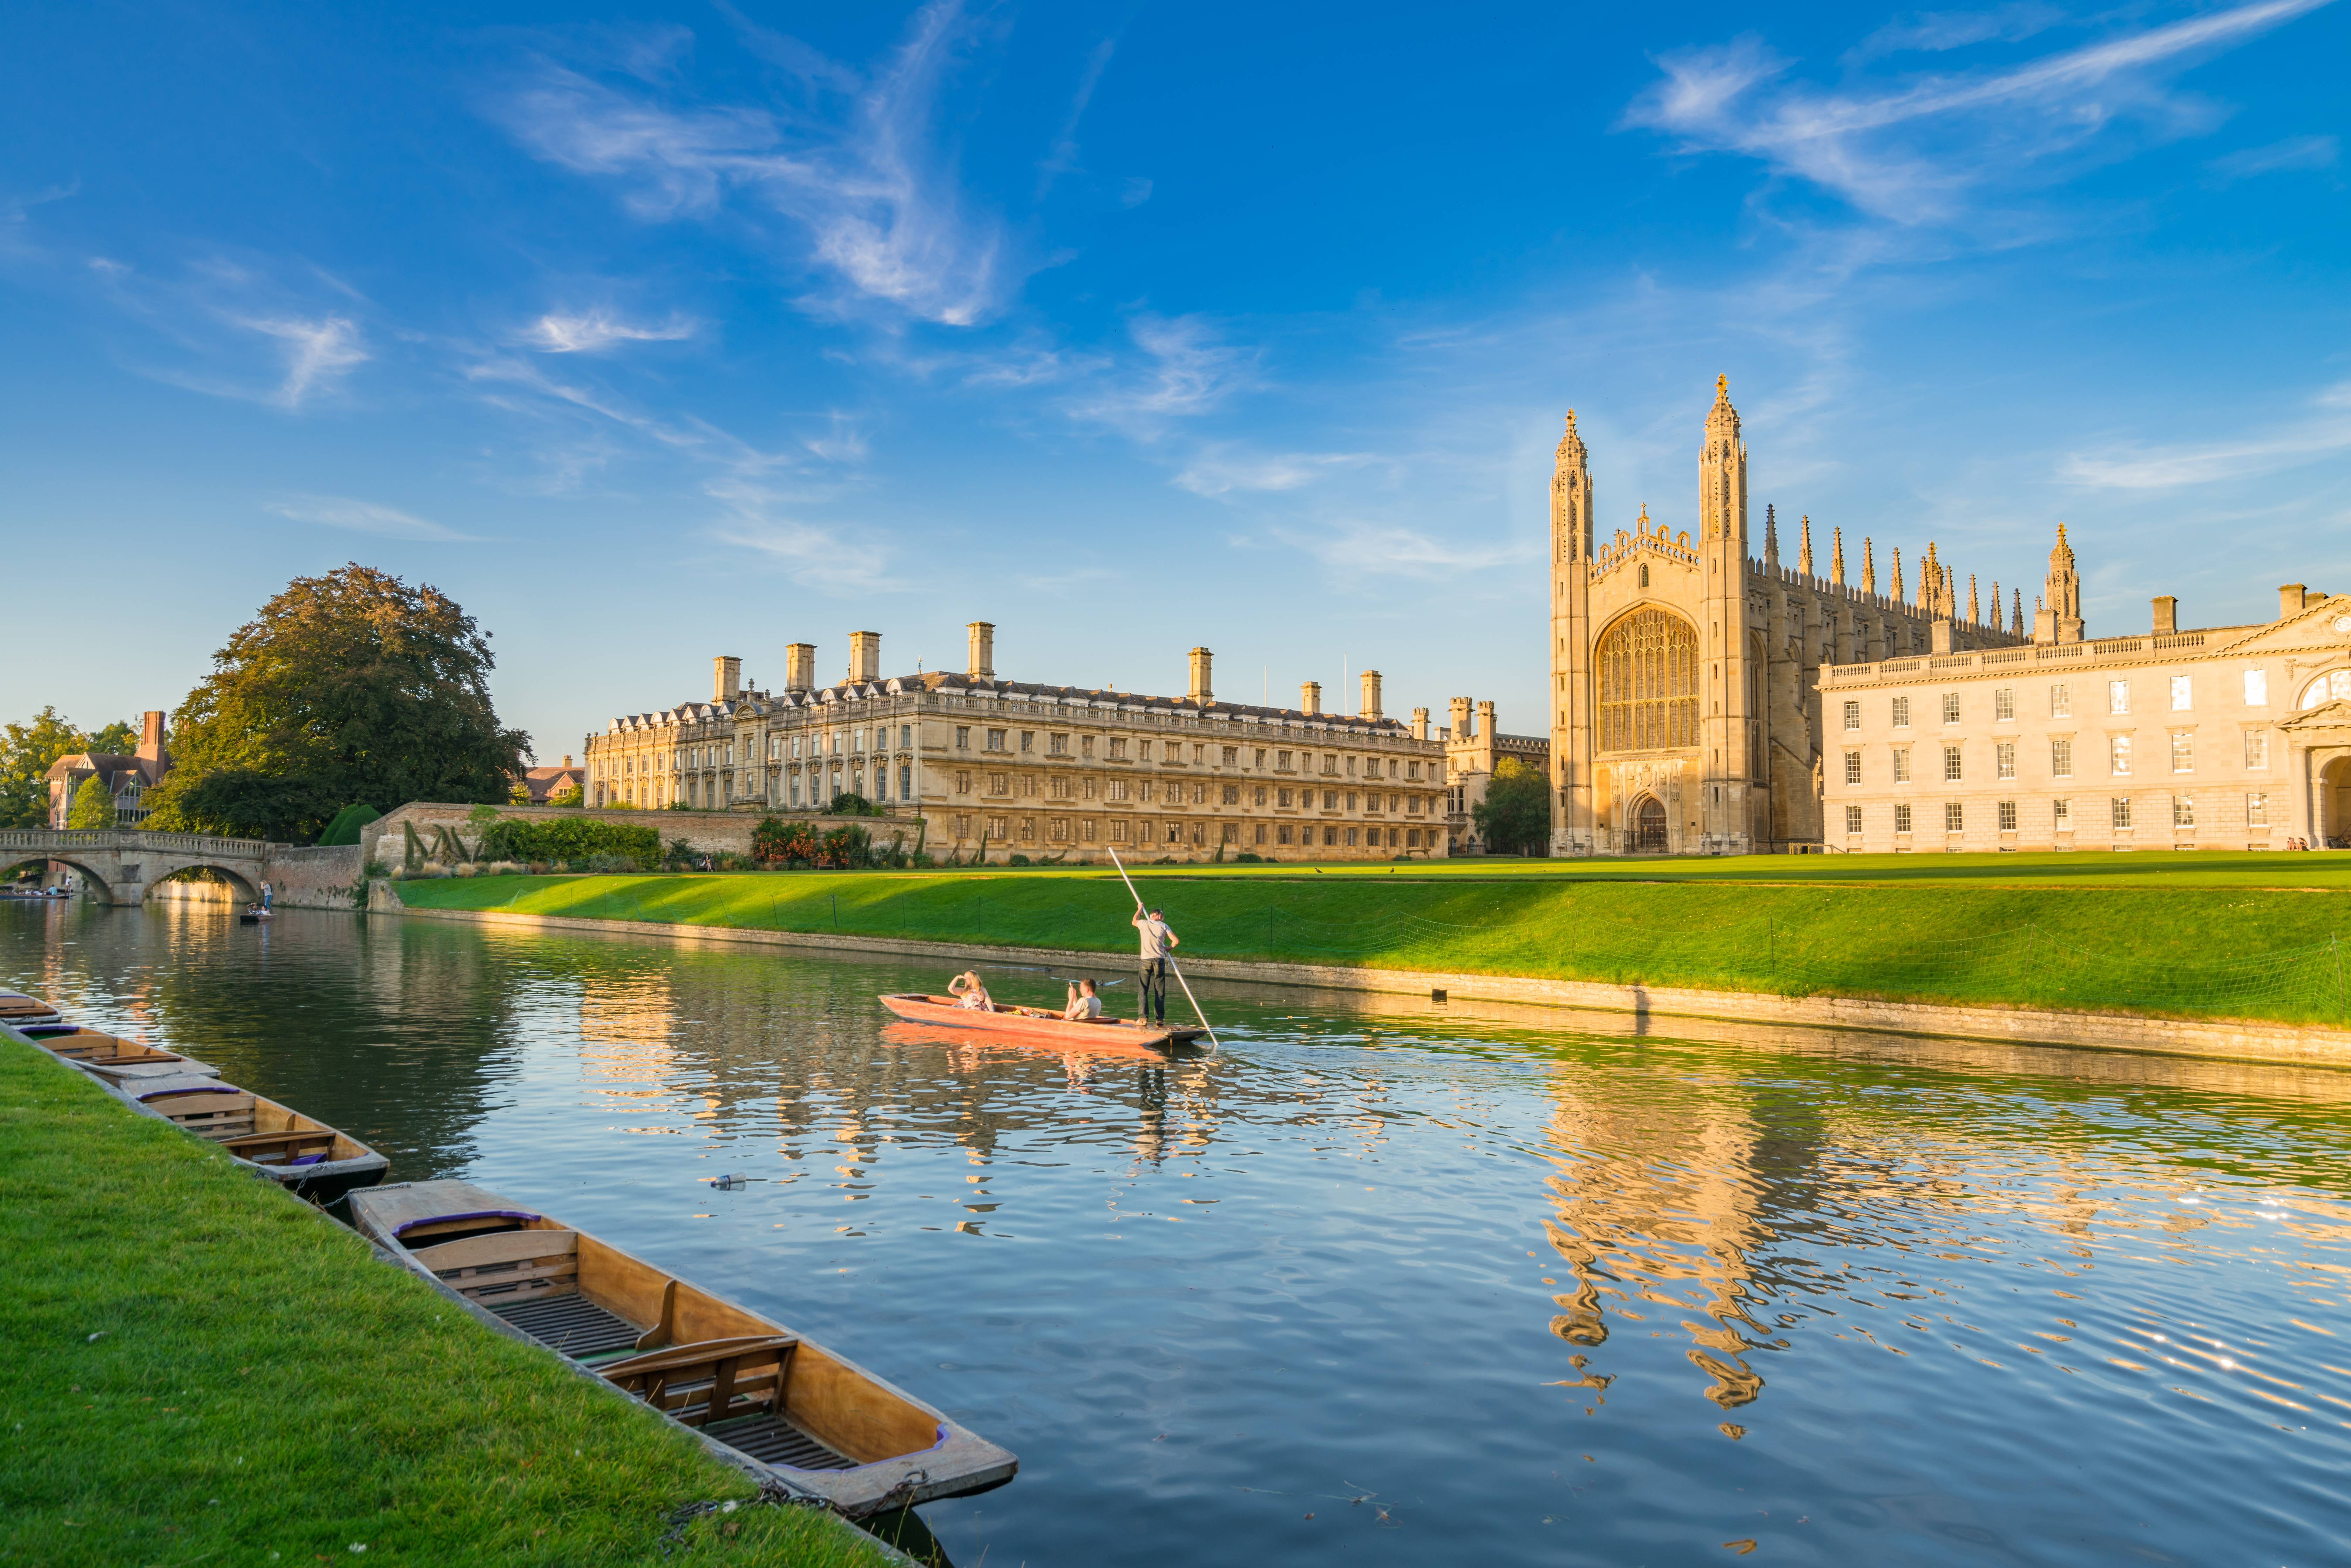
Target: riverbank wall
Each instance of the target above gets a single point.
(2226, 1040)
(206, 1366)
(703, 832)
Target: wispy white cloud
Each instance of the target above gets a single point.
(2324, 432)
(1390, 549)
(558, 333)
(1063, 158)
(820, 554)
(317, 351)
(1935, 32)
(1222, 469)
(1913, 151)
(2295, 152)
(859, 172)
(366, 517)
(1187, 368)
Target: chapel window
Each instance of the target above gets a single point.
(1649, 682)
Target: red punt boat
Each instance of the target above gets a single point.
(1036, 1023)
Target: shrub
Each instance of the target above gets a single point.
(567, 837)
(847, 804)
(844, 848)
(345, 828)
(777, 842)
(1017, 860)
(574, 796)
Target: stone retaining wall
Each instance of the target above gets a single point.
(708, 832)
(2230, 1040)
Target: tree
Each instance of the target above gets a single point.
(117, 739)
(1515, 816)
(93, 805)
(26, 752)
(239, 804)
(350, 687)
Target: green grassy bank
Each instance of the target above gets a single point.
(2206, 935)
(202, 1370)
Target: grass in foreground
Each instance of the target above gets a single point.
(202, 1370)
(2185, 942)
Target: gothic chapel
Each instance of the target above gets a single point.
(1686, 715)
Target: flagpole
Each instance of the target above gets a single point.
(1171, 957)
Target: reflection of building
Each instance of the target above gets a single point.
(1006, 767)
(1659, 1206)
(2234, 736)
(127, 779)
(1683, 669)
(1472, 747)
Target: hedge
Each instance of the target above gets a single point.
(567, 839)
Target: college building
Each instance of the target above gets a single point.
(1473, 745)
(1684, 668)
(2224, 738)
(126, 778)
(977, 766)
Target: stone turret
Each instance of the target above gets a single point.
(1571, 498)
(2059, 619)
(1722, 473)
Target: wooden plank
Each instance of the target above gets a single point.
(406, 1212)
(505, 1247)
(560, 1267)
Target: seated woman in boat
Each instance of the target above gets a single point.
(968, 992)
(1085, 1004)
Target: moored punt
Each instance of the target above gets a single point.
(118, 1061)
(1036, 1023)
(30, 1015)
(305, 1156)
(776, 1402)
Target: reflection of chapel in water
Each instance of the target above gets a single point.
(1659, 1206)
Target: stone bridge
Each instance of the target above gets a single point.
(123, 866)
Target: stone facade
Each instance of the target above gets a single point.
(127, 779)
(2228, 738)
(1685, 715)
(995, 767)
(1472, 747)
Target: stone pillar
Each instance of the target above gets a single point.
(1199, 691)
(1420, 723)
(981, 664)
(1370, 709)
(800, 667)
(725, 678)
(1309, 697)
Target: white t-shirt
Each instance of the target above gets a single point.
(1154, 934)
(1084, 1008)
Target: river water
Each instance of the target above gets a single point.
(1383, 1283)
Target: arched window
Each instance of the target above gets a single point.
(1649, 682)
(2327, 688)
(1645, 577)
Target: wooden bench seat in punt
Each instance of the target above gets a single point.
(507, 1265)
(716, 1380)
(206, 1107)
(281, 1148)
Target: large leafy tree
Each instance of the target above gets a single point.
(1515, 816)
(26, 752)
(346, 687)
(93, 806)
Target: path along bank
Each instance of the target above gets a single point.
(203, 1368)
(2202, 961)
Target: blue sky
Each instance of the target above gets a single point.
(652, 333)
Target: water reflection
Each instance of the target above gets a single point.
(1383, 1281)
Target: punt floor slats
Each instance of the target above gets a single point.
(773, 1441)
(570, 1323)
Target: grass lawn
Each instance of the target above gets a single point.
(202, 1370)
(2250, 935)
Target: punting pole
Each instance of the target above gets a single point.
(1171, 958)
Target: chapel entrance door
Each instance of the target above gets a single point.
(1649, 825)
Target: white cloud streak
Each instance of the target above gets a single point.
(556, 333)
(2295, 152)
(1878, 150)
(366, 517)
(2325, 433)
(877, 202)
(317, 351)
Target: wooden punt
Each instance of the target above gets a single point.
(1036, 1023)
(120, 1060)
(307, 1157)
(774, 1403)
(30, 1015)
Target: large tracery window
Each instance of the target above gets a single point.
(1649, 682)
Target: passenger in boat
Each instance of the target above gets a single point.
(1158, 940)
(1085, 1003)
(968, 992)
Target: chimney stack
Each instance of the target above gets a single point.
(1420, 723)
(1199, 691)
(1371, 709)
(1309, 697)
(2167, 614)
(151, 734)
(725, 678)
(800, 667)
(982, 665)
(2290, 601)
(865, 655)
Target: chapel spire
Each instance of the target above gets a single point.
(1804, 546)
(1771, 534)
(2060, 618)
(2016, 627)
(1868, 565)
(1897, 574)
(1837, 555)
(1975, 616)
(1722, 475)
(1571, 497)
